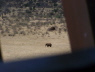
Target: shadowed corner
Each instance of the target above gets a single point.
(1, 58)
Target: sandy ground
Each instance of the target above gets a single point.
(25, 47)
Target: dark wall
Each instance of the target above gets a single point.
(91, 9)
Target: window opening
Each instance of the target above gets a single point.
(32, 28)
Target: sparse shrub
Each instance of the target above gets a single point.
(30, 8)
(47, 32)
(33, 24)
(35, 29)
(53, 22)
(4, 34)
(65, 30)
(28, 27)
(26, 5)
(39, 27)
(27, 18)
(38, 33)
(60, 30)
(11, 34)
(55, 4)
(15, 32)
(43, 34)
(31, 31)
(17, 20)
(13, 16)
(23, 24)
(7, 30)
(62, 21)
(51, 14)
(58, 16)
(55, 10)
(28, 11)
(22, 32)
(13, 10)
(52, 28)
(48, 35)
(1, 27)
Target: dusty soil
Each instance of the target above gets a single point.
(24, 47)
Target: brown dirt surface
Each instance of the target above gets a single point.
(24, 47)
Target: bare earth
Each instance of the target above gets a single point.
(24, 47)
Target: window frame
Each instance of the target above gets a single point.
(78, 24)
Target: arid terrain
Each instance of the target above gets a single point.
(30, 46)
(27, 25)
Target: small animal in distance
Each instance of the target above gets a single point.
(48, 44)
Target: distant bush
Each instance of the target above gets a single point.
(2, 32)
(22, 32)
(47, 32)
(55, 10)
(58, 16)
(23, 24)
(65, 30)
(55, 4)
(28, 11)
(51, 14)
(38, 4)
(13, 16)
(17, 20)
(30, 8)
(11, 34)
(54, 1)
(61, 21)
(33, 24)
(26, 5)
(52, 28)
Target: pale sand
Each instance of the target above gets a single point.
(25, 47)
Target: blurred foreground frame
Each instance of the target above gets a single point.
(78, 24)
(82, 45)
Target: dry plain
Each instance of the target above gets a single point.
(24, 31)
(24, 47)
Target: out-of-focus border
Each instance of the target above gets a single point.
(78, 24)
